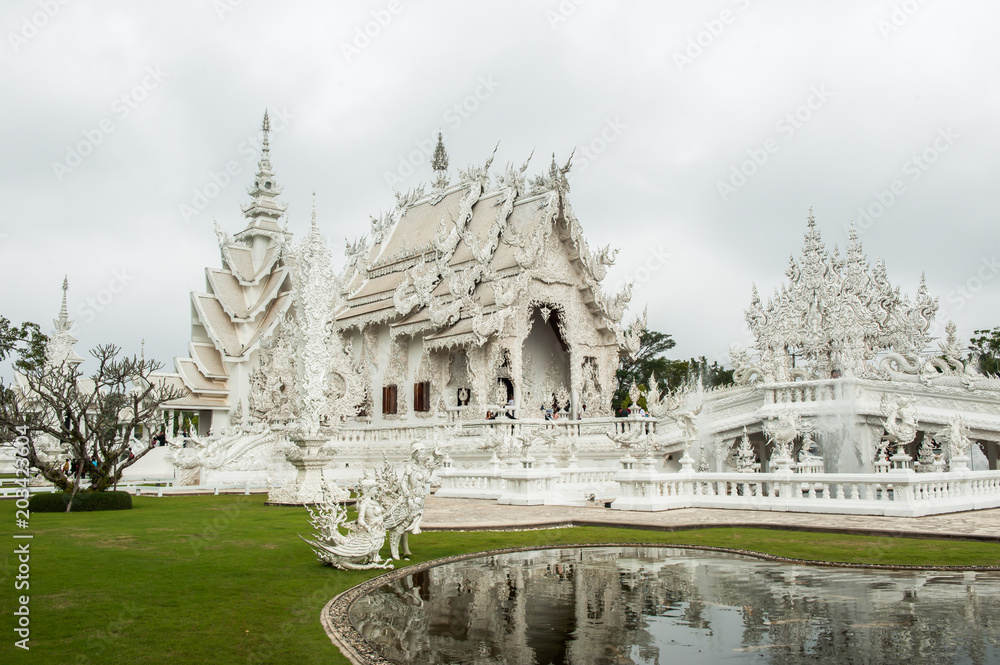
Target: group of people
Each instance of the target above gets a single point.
(509, 411)
(636, 410)
(78, 467)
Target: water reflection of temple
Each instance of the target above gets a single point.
(651, 605)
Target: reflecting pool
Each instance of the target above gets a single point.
(657, 606)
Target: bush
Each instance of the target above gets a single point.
(83, 501)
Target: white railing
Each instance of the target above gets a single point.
(521, 427)
(147, 488)
(805, 391)
(539, 484)
(471, 483)
(893, 493)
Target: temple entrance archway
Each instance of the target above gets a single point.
(545, 362)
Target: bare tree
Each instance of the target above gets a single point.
(88, 420)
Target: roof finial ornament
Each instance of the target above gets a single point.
(439, 162)
(63, 310)
(265, 146)
(314, 209)
(557, 174)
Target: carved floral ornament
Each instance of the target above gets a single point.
(422, 277)
(835, 316)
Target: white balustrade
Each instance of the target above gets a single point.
(525, 428)
(538, 484)
(897, 493)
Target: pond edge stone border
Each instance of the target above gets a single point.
(335, 615)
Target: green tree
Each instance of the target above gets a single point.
(670, 374)
(985, 349)
(90, 419)
(26, 342)
(649, 360)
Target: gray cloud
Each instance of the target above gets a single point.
(558, 82)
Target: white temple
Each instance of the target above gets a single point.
(242, 302)
(480, 295)
(841, 353)
(476, 304)
(473, 320)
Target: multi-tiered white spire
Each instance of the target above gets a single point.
(264, 211)
(59, 349)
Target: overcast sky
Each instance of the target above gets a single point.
(120, 119)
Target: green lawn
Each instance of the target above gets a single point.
(225, 579)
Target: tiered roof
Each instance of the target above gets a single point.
(244, 299)
(451, 263)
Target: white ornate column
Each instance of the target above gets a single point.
(320, 356)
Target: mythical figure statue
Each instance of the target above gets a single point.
(405, 498)
(956, 436)
(782, 434)
(925, 455)
(687, 422)
(503, 444)
(635, 439)
(900, 420)
(190, 455)
(660, 406)
(357, 547)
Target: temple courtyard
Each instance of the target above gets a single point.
(209, 579)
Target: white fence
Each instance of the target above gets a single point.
(148, 487)
(896, 493)
(529, 482)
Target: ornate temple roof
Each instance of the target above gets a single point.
(244, 298)
(453, 261)
(834, 315)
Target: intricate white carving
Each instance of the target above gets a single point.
(832, 318)
(958, 444)
(330, 391)
(900, 419)
(349, 545)
(272, 383)
(746, 457)
(781, 434)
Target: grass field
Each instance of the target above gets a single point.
(225, 579)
